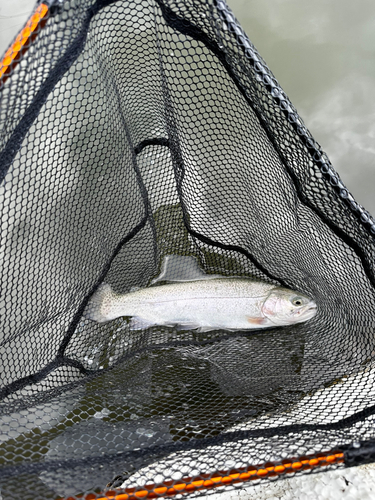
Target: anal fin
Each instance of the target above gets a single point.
(136, 323)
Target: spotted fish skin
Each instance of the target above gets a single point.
(220, 303)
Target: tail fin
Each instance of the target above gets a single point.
(100, 306)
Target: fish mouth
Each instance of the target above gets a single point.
(309, 312)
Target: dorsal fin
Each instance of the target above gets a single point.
(177, 268)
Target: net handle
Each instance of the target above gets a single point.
(222, 478)
(23, 41)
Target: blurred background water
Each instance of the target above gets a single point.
(322, 54)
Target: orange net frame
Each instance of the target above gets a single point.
(222, 478)
(21, 44)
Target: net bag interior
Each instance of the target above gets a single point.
(133, 131)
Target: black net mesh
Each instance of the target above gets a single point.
(136, 130)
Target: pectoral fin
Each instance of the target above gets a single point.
(257, 321)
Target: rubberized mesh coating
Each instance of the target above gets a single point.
(136, 130)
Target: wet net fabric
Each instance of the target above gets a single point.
(133, 131)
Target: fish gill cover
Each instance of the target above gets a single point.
(132, 131)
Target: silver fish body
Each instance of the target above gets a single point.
(221, 303)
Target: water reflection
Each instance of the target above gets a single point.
(322, 54)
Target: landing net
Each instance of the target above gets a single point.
(136, 130)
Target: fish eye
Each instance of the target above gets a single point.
(297, 301)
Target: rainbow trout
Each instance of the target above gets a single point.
(204, 304)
